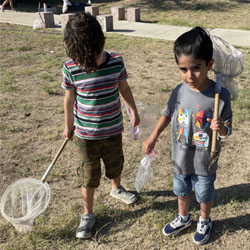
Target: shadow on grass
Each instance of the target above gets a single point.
(112, 221)
(223, 196)
(229, 226)
(238, 193)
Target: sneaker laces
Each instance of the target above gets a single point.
(85, 220)
(177, 222)
(122, 191)
(202, 227)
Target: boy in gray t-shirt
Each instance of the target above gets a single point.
(190, 111)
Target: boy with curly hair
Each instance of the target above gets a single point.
(93, 80)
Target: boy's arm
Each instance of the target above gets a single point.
(69, 100)
(149, 144)
(127, 95)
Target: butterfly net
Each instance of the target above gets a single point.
(228, 62)
(23, 201)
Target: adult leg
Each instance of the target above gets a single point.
(11, 4)
(4, 4)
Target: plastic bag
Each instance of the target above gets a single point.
(39, 22)
(145, 172)
(149, 114)
(148, 117)
(134, 131)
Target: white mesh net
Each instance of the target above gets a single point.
(23, 201)
(27, 198)
(228, 62)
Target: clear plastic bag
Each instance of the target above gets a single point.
(149, 114)
(134, 131)
(148, 117)
(39, 22)
(145, 172)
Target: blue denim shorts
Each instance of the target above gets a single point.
(203, 186)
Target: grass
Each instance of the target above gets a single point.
(6, 82)
(31, 113)
(52, 89)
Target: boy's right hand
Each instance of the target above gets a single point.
(135, 118)
(68, 133)
(148, 145)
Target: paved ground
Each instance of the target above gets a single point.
(167, 32)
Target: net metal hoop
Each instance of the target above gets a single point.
(36, 200)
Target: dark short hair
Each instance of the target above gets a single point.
(196, 43)
(84, 40)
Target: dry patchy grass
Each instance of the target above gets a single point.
(31, 113)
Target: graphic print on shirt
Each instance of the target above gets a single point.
(182, 137)
(183, 120)
(201, 138)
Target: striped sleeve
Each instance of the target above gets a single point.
(123, 75)
(67, 82)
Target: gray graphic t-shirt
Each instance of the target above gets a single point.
(191, 133)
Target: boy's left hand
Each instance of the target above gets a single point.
(217, 125)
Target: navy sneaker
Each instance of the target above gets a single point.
(177, 225)
(203, 231)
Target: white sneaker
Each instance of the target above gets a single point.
(86, 224)
(122, 194)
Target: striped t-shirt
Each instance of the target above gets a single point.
(97, 108)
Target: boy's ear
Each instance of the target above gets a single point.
(210, 64)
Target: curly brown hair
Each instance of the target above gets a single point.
(84, 40)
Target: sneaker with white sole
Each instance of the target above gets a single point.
(86, 224)
(203, 231)
(175, 226)
(122, 194)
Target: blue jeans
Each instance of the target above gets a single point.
(203, 186)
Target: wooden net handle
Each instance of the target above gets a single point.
(214, 135)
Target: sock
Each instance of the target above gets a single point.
(185, 218)
(90, 216)
(201, 220)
